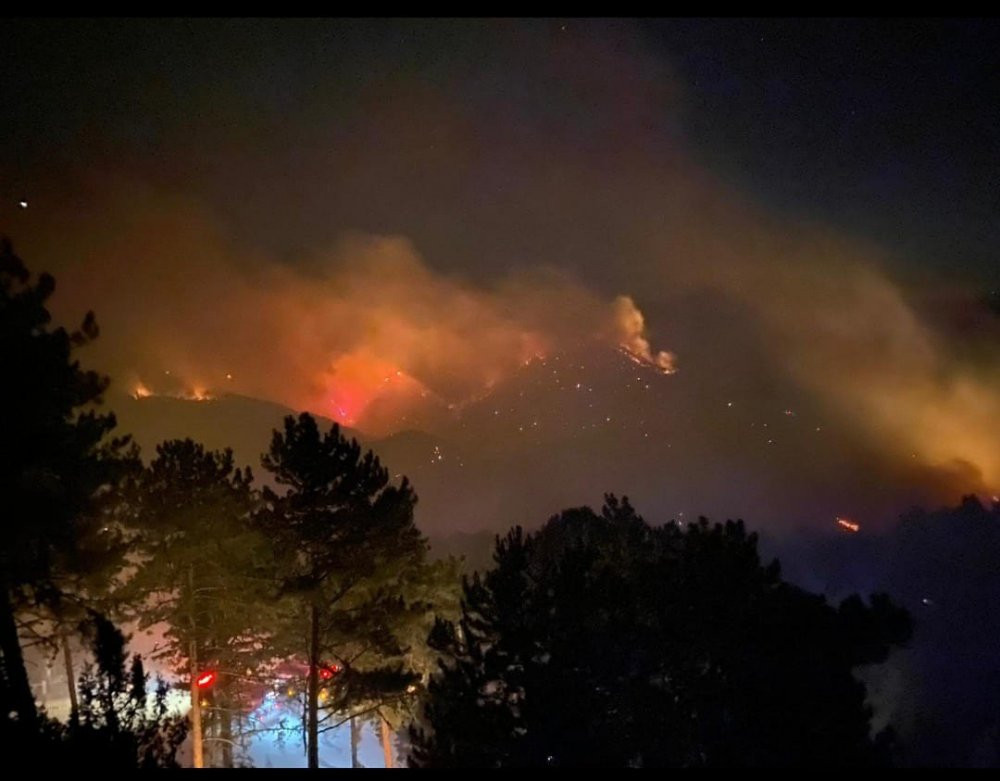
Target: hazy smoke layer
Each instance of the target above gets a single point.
(185, 312)
(561, 150)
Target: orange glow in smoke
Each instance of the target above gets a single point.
(357, 379)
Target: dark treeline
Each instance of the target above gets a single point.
(940, 565)
(598, 640)
(603, 641)
(324, 583)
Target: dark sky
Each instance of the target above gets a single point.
(393, 222)
(887, 128)
(884, 127)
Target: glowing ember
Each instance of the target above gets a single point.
(847, 525)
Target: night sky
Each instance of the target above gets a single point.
(734, 267)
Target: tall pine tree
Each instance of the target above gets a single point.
(601, 641)
(346, 538)
(205, 572)
(56, 458)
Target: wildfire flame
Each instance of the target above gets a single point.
(355, 380)
(662, 363)
(194, 393)
(632, 340)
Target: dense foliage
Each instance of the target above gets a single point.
(603, 641)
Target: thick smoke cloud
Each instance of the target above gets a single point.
(186, 312)
(404, 226)
(863, 343)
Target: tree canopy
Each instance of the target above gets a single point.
(600, 640)
(57, 458)
(348, 548)
(118, 727)
(205, 573)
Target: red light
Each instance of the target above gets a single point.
(206, 679)
(328, 671)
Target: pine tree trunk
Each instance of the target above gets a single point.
(239, 726)
(355, 740)
(70, 679)
(209, 732)
(197, 748)
(313, 689)
(386, 741)
(226, 730)
(13, 659)
(197, 744)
